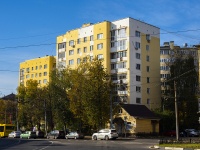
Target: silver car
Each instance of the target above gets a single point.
(74, 135)
(105, 134)
(14, 134)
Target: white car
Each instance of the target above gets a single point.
(14, 134)
(105, 134)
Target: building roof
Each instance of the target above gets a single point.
(9, 97)
(139, 111)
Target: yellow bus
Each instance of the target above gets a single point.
(5, 129)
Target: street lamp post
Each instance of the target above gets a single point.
(111, 117)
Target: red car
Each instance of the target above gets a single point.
(170, 133)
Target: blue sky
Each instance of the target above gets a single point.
(28, 28)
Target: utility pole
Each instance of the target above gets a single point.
(176, 112)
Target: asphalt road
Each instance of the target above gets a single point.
(63, 144)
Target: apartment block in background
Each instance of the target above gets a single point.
(169, 51)
(37, 69)
(131, 52)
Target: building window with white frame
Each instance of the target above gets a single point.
(138, 100)
(71, 43)
(99, 36)
(122, 44)
(45, 73)
(45, 81)
(91, 47)
(148, 37)
(85, 49)
(138, 66)
(148, 90)
(78, 60)
(85, 39)
(138, 89)
(137, 33)
(71, 52)
(99, 46)
(78, 41)
(61, 55)
(91, 38)
(61, 45)
(122, 32)
(147, 47)
(148, 69)
(78, 51)
(100, 56)
(45, 66)
(71, 62)
(148, 80)
(137, 55)
(138, 78)
(137, 45)
(148, 58)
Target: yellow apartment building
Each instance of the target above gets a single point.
(131, 52)
(37, 69)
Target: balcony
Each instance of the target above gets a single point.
(122, 92)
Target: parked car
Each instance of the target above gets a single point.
(56, 134)
(74, 135)
(14, 134)
(39, 134)
(170, 133)
(28, 135)
(105, 134)
(192, 132)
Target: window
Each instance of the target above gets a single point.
(61, 55)
(148, 101)
(71, 52)
(147, 47)
(45, 81)
(138, 100)
(27, 70)
(91, 47)
(45, 73)
(85, 49)
(138, 66)
(137, 55)
(32, 75)
(71, 62)
(148, 80)
(32, 68)
(40, 74)
(122, 44)
(45, 66)
(148, 37)
(36, 75)
(40, 66)
(39, 81)
(61, 45)
(36, 67)
(100, 36)
(137, 45)
(122, 33)
(71, 43)
(78, 51)
(138, 89)
(91, 38)
(100, 56)
(78, 41)
(121, 54)
(85, 39)
(78, 60)
(112, 44)
(148, 68)
(148, 90)
(138, 78)
(137, 33)
(147, 58)
(100, 46)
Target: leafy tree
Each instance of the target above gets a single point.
(183, 72)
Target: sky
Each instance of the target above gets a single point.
(28, 28)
